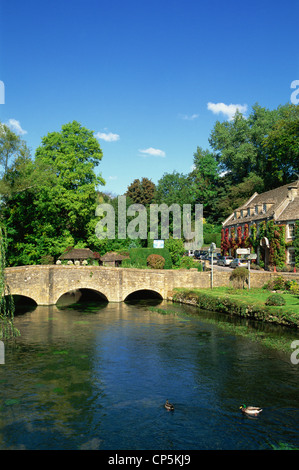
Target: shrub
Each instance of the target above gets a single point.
(46, 259)
(155, 261)
(276, 300)
(176, 249)
(187, 262)
(294, 287)
(279, 283)
(239, 276)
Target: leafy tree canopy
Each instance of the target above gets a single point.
(141, 192)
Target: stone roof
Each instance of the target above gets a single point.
(282, 205)
(77, 253)
(291, 211)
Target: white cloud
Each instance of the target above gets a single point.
(188, 118)
(107, 137)
(229, 110)
(151, 152)
(16, 126)
(112, 178)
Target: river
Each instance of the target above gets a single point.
(96, 376)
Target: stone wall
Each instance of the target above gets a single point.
(46, 284)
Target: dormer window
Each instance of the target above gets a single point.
(248, 211)
(256, 210)
(264, 208)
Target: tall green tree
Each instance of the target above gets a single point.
(257, 144)
(174, 188)
(11, 145)
(73, 153)
(204, 178)
(141, 191)
(281, 147)
(54, 209)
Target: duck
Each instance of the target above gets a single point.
(250, 410)
(169, 406)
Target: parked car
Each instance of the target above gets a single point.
(208, 258)
(225, 260)
(237, 262)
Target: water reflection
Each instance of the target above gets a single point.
(96, 376)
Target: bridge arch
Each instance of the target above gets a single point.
(20, 297)
(143, 294)
(80, 294)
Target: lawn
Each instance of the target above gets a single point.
(254, 296)
(243, 302)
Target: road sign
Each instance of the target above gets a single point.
(253, 256)
(213, 247)
(243, 251)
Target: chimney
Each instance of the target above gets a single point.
(293, 191)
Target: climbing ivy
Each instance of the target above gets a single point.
(277, 242)
(275, 233)
(296, 244)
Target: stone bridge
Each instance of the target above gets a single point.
(46, 284)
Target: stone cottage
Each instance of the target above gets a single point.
(267, 224)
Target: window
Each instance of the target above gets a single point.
(264, 207)
(291, 256)
(291, 230)
(248, 211)
(256, 210)
(257, 229)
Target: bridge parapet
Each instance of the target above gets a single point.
(45, 284)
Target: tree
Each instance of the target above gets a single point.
(236, 152)
(174, 188)
(204, 177)
(58, 201)
(258, 144)
(73, 153)
(10, 146)
(231, 196)
(141, 192)
(281, 147)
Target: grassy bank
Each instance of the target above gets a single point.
(243, 303)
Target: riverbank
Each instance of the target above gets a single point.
(243, 303)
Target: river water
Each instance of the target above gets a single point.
(96, 376)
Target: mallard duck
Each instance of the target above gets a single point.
(169, 406)
(250, 410)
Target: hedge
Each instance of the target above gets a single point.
(139, 256)
(212, 238)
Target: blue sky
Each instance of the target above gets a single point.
(148, 77)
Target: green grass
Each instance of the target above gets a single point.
(243, 302)
(257, 296)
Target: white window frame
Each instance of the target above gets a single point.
(291, 235)
(291, 255)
